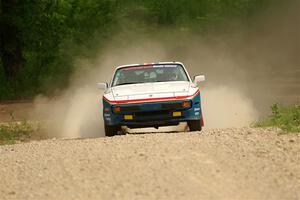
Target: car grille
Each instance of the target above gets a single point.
(153, 115)
(131, 108)
(142, 107)
(171, 106)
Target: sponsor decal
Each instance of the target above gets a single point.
(196, 109)
(197, 113)
(146, 66)
(161, 66)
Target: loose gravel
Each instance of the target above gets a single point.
(214, 164)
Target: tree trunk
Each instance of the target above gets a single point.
(11, 51)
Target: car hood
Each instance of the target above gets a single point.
(150, 90)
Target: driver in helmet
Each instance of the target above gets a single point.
(174, 76)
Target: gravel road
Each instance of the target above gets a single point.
(215, 164)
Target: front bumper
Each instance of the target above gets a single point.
(152, 114)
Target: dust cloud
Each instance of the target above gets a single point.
(247, 70)
(77, 113)
(74, 114)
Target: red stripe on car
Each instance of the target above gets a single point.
(152, 99)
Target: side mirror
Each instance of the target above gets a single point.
(198, 79)
(102, 86)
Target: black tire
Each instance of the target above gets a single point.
(194, 125)
(111, 130)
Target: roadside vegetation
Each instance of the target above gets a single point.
(13, 132)
(285, 118)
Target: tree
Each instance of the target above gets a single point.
(11, 48)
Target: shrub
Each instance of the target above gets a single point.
(285, 118)
(12, 132)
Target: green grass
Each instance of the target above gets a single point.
(285, 118)
(12, 132)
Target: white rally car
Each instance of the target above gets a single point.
(151, 95)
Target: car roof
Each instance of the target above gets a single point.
(145, 64)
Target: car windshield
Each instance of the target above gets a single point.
(149, 73)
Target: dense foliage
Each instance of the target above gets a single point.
(286, 118)
(39, 39)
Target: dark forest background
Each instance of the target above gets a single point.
(40, 39)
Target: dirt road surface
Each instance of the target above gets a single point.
(215, 164)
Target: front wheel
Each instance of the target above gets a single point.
(111, 130)
(194, 125)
